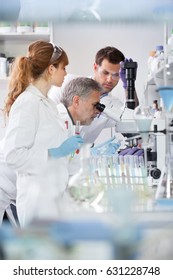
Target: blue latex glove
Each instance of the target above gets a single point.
(67, 147)
(123, 73)
(107, 148)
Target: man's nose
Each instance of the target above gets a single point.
(109, 77)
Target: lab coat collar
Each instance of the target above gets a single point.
(46, 100)
(104, 94)
(70, 116)
(63, 110)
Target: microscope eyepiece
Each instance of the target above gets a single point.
(100, 107)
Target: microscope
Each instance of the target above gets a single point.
(126, 124)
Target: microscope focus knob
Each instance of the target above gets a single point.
(155, 173)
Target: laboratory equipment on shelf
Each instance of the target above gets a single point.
(164, 82)
(165, 187)
(158, 60)
(150, 63)
(3, 66)
(164, 76)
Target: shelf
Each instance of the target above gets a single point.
(24, 36)
(5, 79)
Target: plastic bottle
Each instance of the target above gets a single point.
(149, 63)
(158, 60)
(159, 56)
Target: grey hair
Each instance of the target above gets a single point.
(82, 87)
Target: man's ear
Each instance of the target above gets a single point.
(95, 66)
(76, 99)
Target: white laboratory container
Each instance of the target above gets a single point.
(158, 60)
(150, 63)
(3, 66)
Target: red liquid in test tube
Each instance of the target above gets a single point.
(66, 124)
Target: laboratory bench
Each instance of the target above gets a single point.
(90, 234)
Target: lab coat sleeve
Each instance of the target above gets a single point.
(19, 150)
(90, 132)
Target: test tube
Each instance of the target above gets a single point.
(77, 127)
(121, 160)
(77, 131)
(126, 162)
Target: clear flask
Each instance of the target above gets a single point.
(85, 186)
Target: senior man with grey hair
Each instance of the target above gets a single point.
(79, 99)
(78, 104)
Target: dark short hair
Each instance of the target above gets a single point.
(113, 55)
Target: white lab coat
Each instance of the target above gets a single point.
(7, 188)
(74, 159)
(34, 127)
